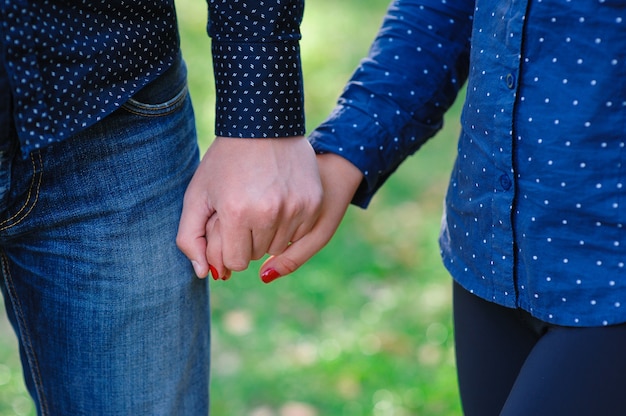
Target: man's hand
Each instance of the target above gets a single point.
(340, 180)
(247, 198)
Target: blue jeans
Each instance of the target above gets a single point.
(109, 316)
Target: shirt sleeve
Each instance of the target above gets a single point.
(397, 97)
(257, 67)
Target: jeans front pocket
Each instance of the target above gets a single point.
(162, 96)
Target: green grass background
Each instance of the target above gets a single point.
(365, 327)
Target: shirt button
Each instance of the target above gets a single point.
(510, 81)
(505, 182)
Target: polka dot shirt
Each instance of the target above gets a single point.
(256, 61)
(535, 210)
(67, 65)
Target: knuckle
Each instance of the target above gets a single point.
(289, 264)
(257, 256)
(181, 243)
(262, 212)
(269, 208)
(232, 211)
(275, 249)
(236, 265)
(310, 203)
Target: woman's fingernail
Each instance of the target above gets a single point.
(269, 275)
(214, 272)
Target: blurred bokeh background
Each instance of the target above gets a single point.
(365, 327)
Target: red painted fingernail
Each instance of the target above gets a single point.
(214, 272)
(269, 275)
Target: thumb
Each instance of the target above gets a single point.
(194, 248)
(191, 238)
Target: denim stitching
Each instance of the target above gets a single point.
(34, 184)
(26, 341)
(156, 110)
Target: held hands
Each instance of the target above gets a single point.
(340, 180)
(248, 197)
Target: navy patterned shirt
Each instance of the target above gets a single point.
(536, 206)
(65, 65)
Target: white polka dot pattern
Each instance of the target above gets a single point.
(256, 62)
(70, 64)
(259, 90)
(535, 207)
(397, 97)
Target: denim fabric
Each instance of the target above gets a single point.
(109, 315)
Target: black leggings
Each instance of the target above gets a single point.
(512, 364)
